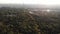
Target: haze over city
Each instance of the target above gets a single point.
(29, 16)
(43, 2)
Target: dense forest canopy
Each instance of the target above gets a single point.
(20, 21)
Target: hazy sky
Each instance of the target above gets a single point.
(44, 2)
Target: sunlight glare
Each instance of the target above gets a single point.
(44, 2)
(48, 10)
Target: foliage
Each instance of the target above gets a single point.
(19, 21)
